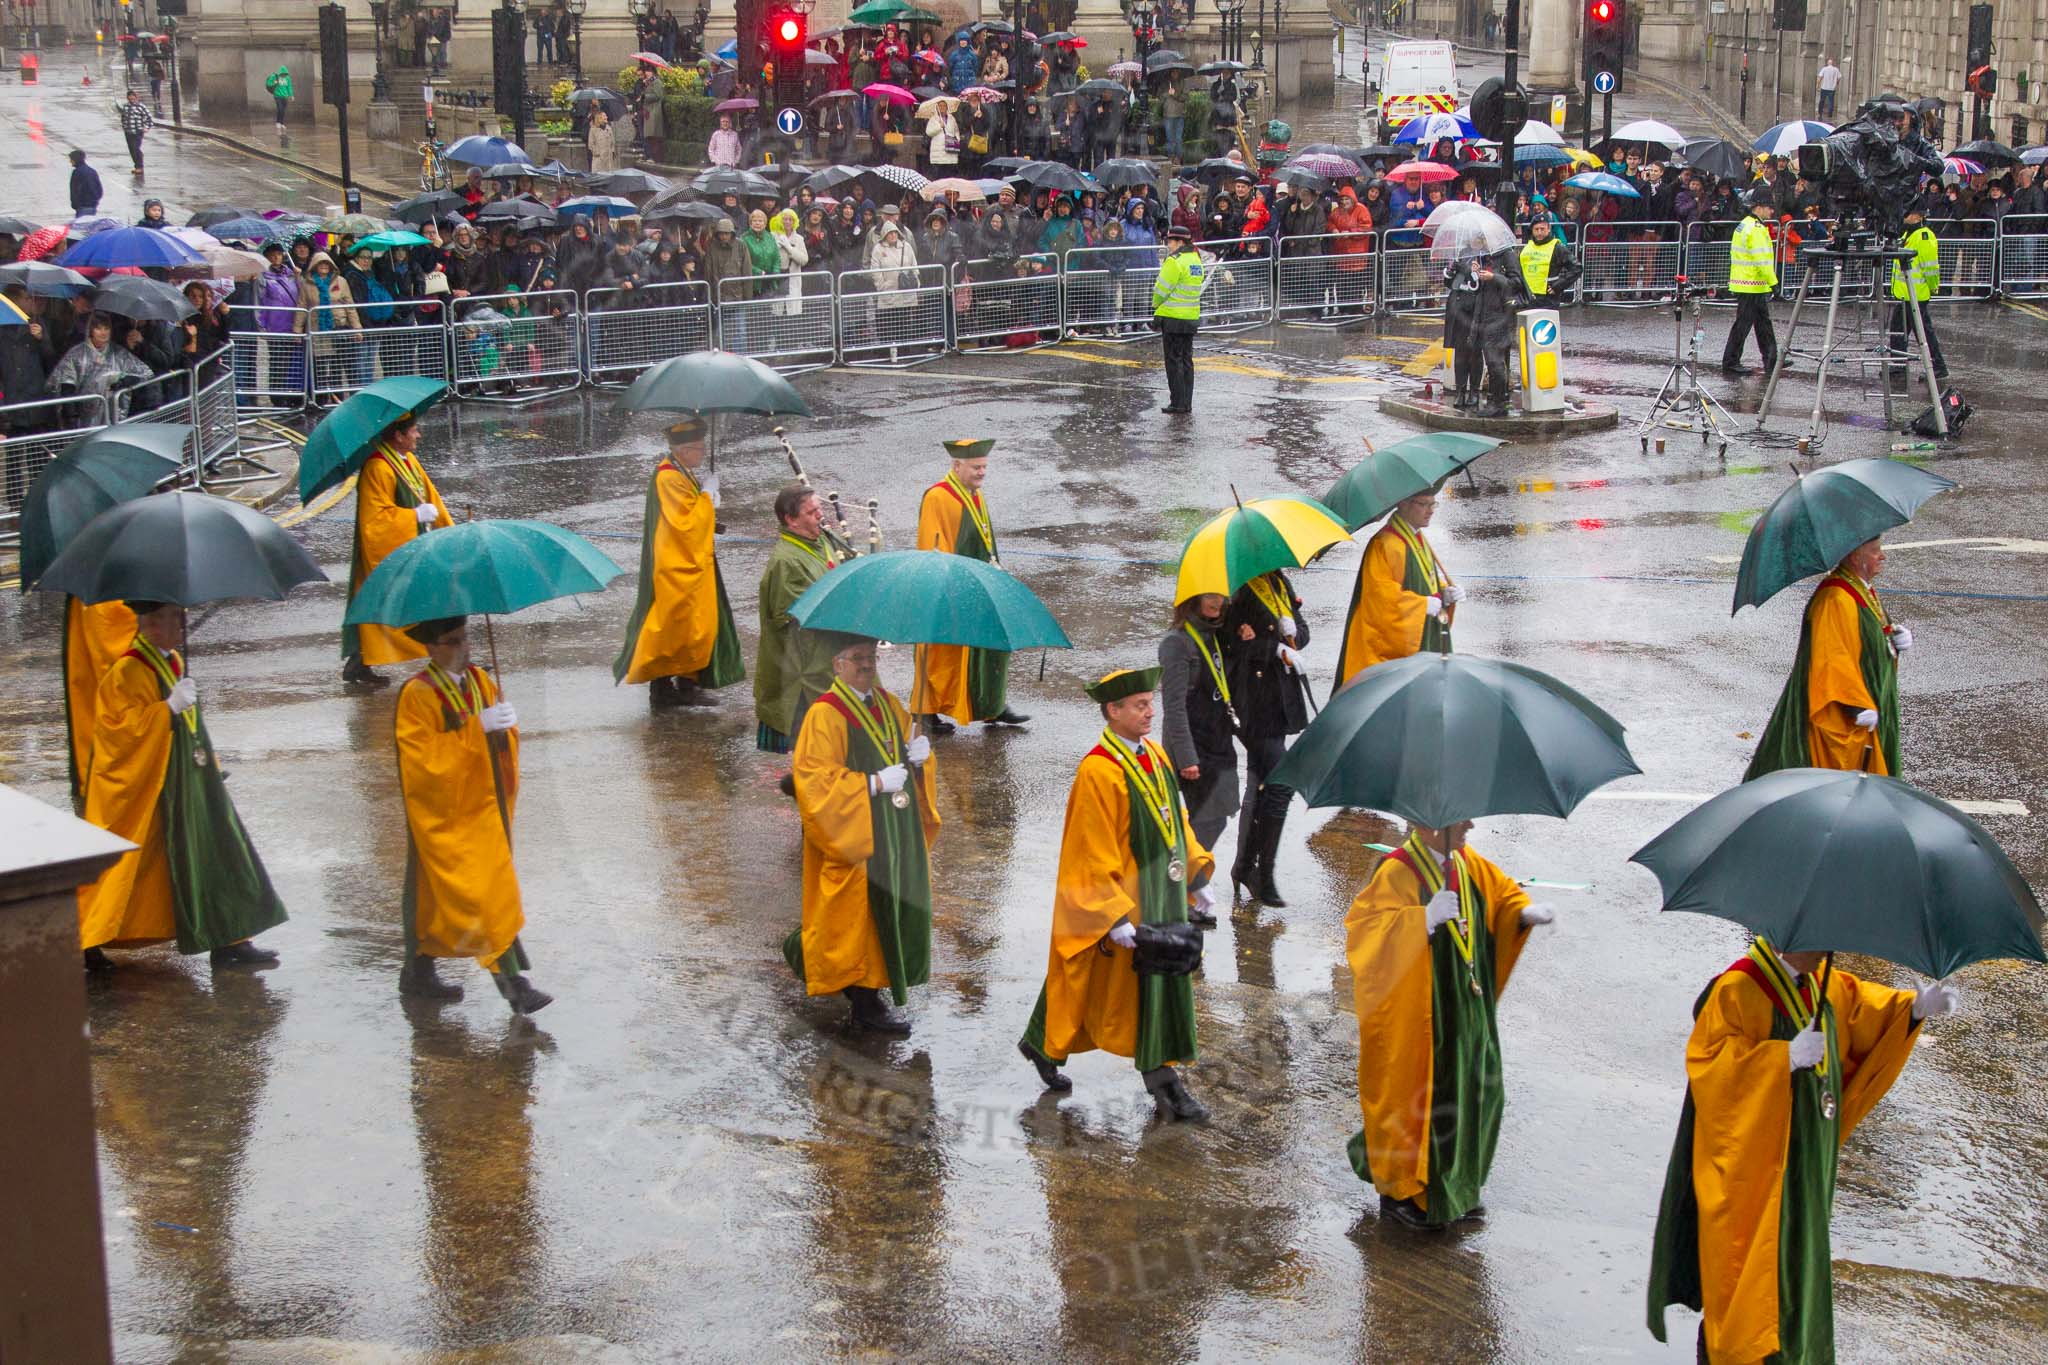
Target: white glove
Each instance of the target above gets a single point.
(184, 696)
(1442, 906)
(1125, 935)
(919, 749)
(890, 779)
(1453, 594)
(499, 717)
(1806, 1049)
(427, 514)
(1203, 898)
(1866, 720)
(1934, 1001)
(1902, 639)
(1291, 657)
(1533, 915)
(1433, 607)
(1287, 627)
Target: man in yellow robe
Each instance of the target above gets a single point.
(95, 634)
(867, 792)
(1128, 857)
(152, 776)
(964, 683)
(1840, 706)
(1404, 601)
(1771, 1096)
(395, 501)
(1432, 940)
(458, 770)
(680, 639)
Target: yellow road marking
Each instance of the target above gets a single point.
(1430, 357)
(2031, 310)
(1205, 364)
(325, 501)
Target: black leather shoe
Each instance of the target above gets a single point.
(936, 726)
(872, 1012)
(96, 960)
(243, 954)
(1494, 409)
(421, 979)
(1737, 371)
(358, 674)
(522, 995)
(1050, 1076)
(786, 784)
(1009, 717)
(1475, 1214)
(1170, 1096)
(688, 693)
(1177, 412)
(1406, 1213)
(1201, 919)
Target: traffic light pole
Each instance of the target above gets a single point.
(1505, 192)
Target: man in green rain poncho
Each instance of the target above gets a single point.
(866, 791)
(792, 668)
(1127, 857)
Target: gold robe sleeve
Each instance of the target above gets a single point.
(940, 684)
(1386, 619)
(95, 634)
(1875, 1033)
(131, 901)
(1098, 877)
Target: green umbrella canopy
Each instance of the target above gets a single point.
(488, 567)
(883, 11)
(1828, 861)
(187, 548)
(90, 475)
(1370, 489)
(385, 241)
(917, 597)
(1823, 516)
(1439, 738)
(352, 225)
(713, 381)
(345, 437)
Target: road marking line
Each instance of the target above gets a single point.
(2004, 806)
(1431, 357)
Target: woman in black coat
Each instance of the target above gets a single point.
(1263, 634)
(1198, 721)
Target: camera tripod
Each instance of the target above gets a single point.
(1681, 404)
(1838, 260)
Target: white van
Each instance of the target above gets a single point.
(1416, 78)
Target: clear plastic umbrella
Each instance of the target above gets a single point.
(1460, 231)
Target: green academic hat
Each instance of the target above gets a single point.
(970, 450)
(1124, 682)
(429, 632)
(839, 641)
(686, 429)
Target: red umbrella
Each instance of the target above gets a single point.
(41, 243)
(1429, 172)
(650, 59)
(895, 94)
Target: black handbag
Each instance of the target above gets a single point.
(1167, 949)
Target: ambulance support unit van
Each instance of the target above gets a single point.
(1416, 79)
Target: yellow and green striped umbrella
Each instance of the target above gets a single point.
(1252, 538)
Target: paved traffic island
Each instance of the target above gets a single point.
(1434, 414)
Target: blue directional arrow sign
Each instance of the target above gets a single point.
(1603, 82)
(789, 122)
(1544, 332)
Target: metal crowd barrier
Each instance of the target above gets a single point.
(1859, 278)
(760, 317)
(1238, 290)
(1410, 282)
(516, 347)
(1968, 252)
(627, 330)
(995, 305)
(270, 366)
(1109, 293)
(2023, 257)
(1327, 280)
(1622, 269)
(1707, 250)
(893, 318)
(31, 435)
(345, 361)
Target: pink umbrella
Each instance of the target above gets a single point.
(1428, 172)
(895, 94)
(987, 94)
(734, 106)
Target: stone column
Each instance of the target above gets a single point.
(1553, 46)
(53, 1268)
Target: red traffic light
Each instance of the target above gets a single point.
(1601, 11)
(788, 30)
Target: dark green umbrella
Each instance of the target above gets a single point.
(713, 381)
(186, 548)
(1370, 489)
(1823, 516)
(1826, 861)
(345, 437)
(916, 597)
(1439, 738)
(487, 567)
(92, 474)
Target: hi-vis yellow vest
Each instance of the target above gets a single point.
(1751, 269)
(1536, 265)
(1926, 266)
(1177, 293)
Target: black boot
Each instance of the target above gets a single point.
(243, 954)
(421, 978)
(1049, 1074)
(688, 693)
(1170, 1096)
(1009, 716)
(1406, 1213)
(522, 995)
(936, 725)
(359, 674)
(661, 694)
(97, 961)
(786, 784)
(1265, 849)
(872, 1012)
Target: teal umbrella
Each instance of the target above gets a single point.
(1439, 738)
(1826, 861)
(487, 567)
(385, 241)
(917, 597)
(90, 475)
(1823, 516)
(1370, 489)
(186, 548)
(345, 437)
(713, 381)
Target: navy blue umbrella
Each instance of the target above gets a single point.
(478, 150)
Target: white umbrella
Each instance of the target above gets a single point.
(1534, 134)
(1649, 130)
(1460, 230)
(970, 191)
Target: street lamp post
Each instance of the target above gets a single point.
(576, 8)
(380, 24)
(515, 32)
(1231, 32)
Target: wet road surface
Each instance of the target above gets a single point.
(685, 1159)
